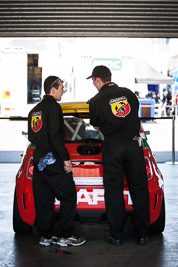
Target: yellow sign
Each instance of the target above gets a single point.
(6, 94)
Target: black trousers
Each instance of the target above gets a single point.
(123, 154)
(53, 182)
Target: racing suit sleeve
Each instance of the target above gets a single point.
(56, 132)
(93, 114)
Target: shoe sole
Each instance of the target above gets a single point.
(114, 243)
(61, 244)
(142, 243)
(44, 244)
(70, 244)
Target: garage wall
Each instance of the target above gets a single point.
(125, 18)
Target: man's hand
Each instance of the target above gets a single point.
(96, 128)
(67, 166)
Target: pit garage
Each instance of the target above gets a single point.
(89, 19)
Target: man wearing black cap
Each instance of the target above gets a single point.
(114, 111)
(52, 175)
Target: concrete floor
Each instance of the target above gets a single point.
(24, 251)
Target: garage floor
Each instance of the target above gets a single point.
(23, 250)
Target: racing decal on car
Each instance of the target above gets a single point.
(120, 106)
(36, 121)
(94, 196)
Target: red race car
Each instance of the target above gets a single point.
(84, 145)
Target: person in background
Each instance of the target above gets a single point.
(169, 101)
(157, 98)
(176, 103)
(114, 111)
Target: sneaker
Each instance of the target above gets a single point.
(110, 239)
(71, 241)
(47, 242)
(53, 240)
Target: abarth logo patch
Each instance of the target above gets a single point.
(36, 121)
(120, 106)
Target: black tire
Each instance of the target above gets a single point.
(19, 225)
(159, 225)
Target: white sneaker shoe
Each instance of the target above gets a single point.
(71, 241)
(47, 242)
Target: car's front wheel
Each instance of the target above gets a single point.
(19, 225)
(159, 225)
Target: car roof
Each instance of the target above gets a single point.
(75, 107)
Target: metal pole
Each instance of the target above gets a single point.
(173, 139)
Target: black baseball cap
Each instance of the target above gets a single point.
(101, 72)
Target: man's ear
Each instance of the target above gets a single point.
(98, 79)
(53, 90)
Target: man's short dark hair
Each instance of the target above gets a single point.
(104, 79)
(49, 83)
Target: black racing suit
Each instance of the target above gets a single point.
(115, 110)
(46, 132)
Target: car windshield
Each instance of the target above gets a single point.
(80, 130)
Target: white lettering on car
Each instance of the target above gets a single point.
(93, 197)
(84, 196)
(19, 173)
(129, 197)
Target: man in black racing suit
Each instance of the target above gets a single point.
(114, 111)
(52, 176)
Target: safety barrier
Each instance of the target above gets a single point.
(162, 116)
(173, 116)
